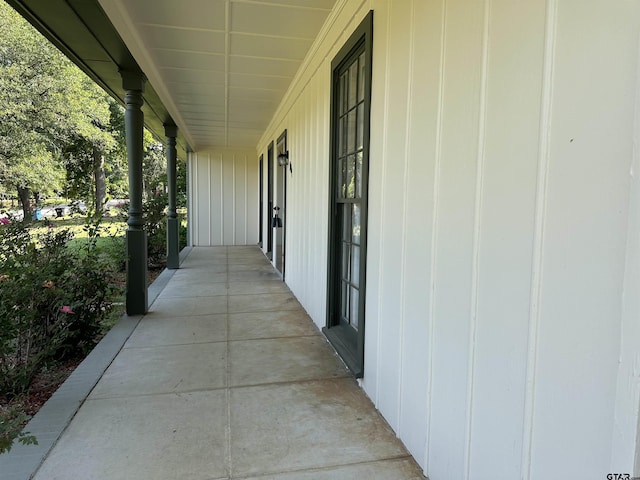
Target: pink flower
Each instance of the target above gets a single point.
(67, 309)
(5, 221)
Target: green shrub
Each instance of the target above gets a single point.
(90, 285)
(155, 223)
(32, 326)
(154, 211)
(182, 231)
(53, 300)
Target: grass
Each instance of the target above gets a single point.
(76, 224)
(112, 232)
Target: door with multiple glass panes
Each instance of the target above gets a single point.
(349, 171)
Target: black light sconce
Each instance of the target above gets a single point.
(283, 159)
(283, 155)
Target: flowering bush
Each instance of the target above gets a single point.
(53, 300)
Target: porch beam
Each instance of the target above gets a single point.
(136, 294)
(173, 253)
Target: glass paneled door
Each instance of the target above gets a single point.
(350, 154)
(280, 229)
(270, 168)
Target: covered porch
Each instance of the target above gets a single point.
(225, 377)
(478, 162)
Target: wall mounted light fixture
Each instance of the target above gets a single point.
(283, 159)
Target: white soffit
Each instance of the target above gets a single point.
(220, 67)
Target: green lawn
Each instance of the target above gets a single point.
(111, 229)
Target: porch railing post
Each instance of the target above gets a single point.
(136, 294)
(173, 254)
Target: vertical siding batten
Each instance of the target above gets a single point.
(625, 447)
(435, 231)
(583, 277)
(371, 381)
(505, 250)
(539, 236)
(310, 146)
(405, 202)
(307, 145)
(482, 118)
(393, 158)
(455, 247)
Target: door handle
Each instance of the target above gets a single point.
(276, 222)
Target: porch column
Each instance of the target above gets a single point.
(173, 254)
(136, 295)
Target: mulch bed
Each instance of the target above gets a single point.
(44, 384)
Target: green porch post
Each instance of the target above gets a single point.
(173, 254)
(136, 296)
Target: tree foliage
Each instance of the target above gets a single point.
(31, 113)
(53, 118)
(103, 153)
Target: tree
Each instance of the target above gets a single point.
(99, 136)
(154, 163)
(47, 108)
(116, 168)
(27, 89)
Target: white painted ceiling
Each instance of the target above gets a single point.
(220, 67)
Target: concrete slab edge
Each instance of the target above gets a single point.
(22, 462)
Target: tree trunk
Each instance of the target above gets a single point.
(100, 179)
(24, 195)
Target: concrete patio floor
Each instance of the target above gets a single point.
(226, 377)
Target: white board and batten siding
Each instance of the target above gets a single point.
(223, 185)
(503, 279)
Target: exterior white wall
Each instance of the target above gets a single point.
(223, 192)
(503, 312)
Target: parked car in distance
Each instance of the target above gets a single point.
(78, 206)
(62, 210)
